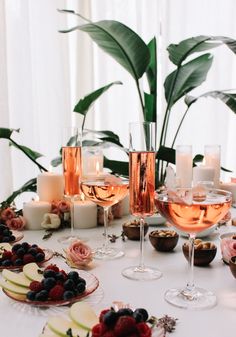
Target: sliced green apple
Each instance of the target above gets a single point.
(14, 288)
(16, 278)
(4, 246)
(83, 315)
(60, 326)
(33, 272)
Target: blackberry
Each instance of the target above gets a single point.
(73, 275)
(18, 262)
(6, 263)
(6, 232)
(6, 239)
(41, 296)
(68, 294)
(31, 295)
(80, 288)
(32, 251)
(60, 276)
(138, 317)
(20, 252)
(125, 312)
(143, 312)
(69, 284)
(49, 283)
(16, 247)
(39, 257)
(81, 280)
(110, 318)
(12, 238)
(25, 245)
(49, 273)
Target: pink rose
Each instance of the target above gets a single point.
(78, 254)
(228, 248)
(16, 223)
(7, 214)
(64, 206)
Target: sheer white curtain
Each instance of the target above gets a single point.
(44, 73)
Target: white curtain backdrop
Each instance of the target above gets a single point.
(44, 73)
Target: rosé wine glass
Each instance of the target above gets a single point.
(105, 191)
(142, 154)
(71, 163)
(192, 213)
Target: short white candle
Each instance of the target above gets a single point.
(203, 173)
(125, 205)
(231, 187)
(50, 186)
(212, 158)
(85, 214)
(184, 165)
(33, 213)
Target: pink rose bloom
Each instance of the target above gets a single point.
(79, 254)
(55, 208)
(228, 248)
(16, 223)
(64, 206)
(7, 214)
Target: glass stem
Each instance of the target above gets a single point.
(72, 217)
(141, 258)
(190, 285)
(105, 244)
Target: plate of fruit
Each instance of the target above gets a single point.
(81, 320)
(49, 286)
(16, 256)
(8, 235)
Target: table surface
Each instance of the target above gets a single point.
(26, 321)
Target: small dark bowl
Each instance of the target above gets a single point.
(132, 230)
(232, 265)
(163, 243)
(202, 257)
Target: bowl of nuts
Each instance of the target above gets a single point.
(164, 240)
(131, 229)
(204, 252)
(232, 265)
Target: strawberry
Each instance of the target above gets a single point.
(125, 325)
(52, 267)
(99, 330)
(144, 330)
(36, 286)
(102, 313)
(28, 258)
(56, 293)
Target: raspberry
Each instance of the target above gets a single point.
(28, 258)
(64, 273)
(144, 330)
(36, 286)
(125, 326)
(7, 254)
(109, 334)
(56, 293)
(98, 330)
(53, 267)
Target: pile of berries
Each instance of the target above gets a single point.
(6, 234)
(21, 254)
(56, 285)
(122, 323)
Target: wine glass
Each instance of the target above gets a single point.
(71, 163)
(105, 190)
(192, 213)
(142, 156)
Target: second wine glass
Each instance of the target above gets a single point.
(142, 138)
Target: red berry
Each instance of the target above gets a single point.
(28, 258)
(144, 330)
(109, 334)
(14, 258)
(36, 286)
(102, 313)
(98, 330)
(56, 293)
(64, 273)
(53, 267)
(125, 326)
(7, 255)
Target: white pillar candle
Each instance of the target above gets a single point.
(33, 213)
(203, 173)
(184, 165)
(125, 205)
(50, 186)
(231, 187)
(85, 214)
(212, 158)
(92, 162)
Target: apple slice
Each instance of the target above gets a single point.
(16, 278)
(14, 288)
(60, 326)
(83, 315)
(33, 272)
(4, 246)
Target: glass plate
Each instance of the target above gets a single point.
(48, 255)
(92, 284)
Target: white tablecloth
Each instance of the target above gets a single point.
(18, 320)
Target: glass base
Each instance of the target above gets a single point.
(142, 274)
(109, 253)
(67, 240)
(193, 300)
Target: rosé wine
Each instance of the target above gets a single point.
(71, 159)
